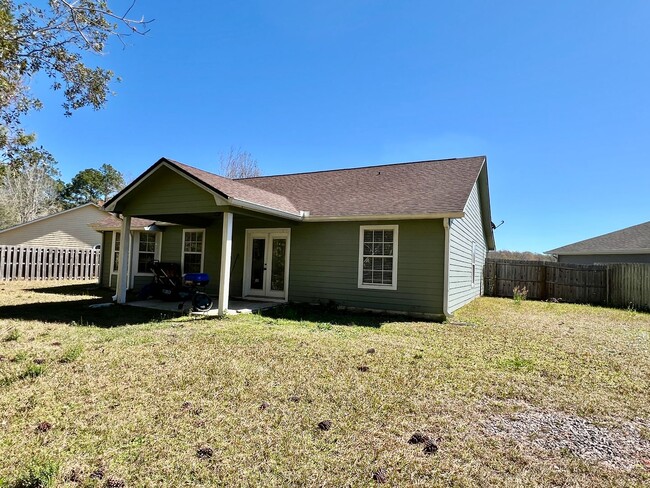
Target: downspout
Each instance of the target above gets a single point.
(445, 286)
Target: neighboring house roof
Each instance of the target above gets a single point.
(111, 222)
(68, 228)
(433, 189)
(631, 240)
(46, 217)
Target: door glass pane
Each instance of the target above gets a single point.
(279, 248)
(257, 264)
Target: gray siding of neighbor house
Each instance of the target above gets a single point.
(462, 233)
(325, 259)
(69, 229)
(604, 258)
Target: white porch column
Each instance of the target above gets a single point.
(226, 254)
(123, 265)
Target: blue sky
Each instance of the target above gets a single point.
(555, 93)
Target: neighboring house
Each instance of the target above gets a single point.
(409, 237)
(67, 229)
(629, 245)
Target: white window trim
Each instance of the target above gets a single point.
(183, 249)
(136, 251)
(114, 271)
(360, 283)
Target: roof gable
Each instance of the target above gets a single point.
(423, 189)
(224, 190)
(634, 239)
(54, 215)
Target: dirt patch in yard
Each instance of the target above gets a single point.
(621, 447)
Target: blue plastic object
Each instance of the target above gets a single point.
(196, 279)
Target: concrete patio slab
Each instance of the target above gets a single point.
(234, 306)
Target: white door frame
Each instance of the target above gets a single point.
(267, 234)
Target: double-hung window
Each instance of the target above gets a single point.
(146, 251)
(116, 252)
(378, 257)
(193, 247)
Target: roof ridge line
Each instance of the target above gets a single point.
(357, 168)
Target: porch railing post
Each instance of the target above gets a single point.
(123, 265)
(226, 254)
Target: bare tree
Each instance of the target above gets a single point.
(520, 255)
(238, 164)
(27, 193)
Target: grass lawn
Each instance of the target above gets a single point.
(510, 395)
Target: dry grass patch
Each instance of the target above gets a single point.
(239, 401)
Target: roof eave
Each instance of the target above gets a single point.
(45, 217)
(559, 252)
(256, 207)
(356, 218)
(486, 210)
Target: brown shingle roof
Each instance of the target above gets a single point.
(632, 239)
(425, 187)
(240, 191)
(111, 222)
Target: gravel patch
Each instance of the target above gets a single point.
(620, 447)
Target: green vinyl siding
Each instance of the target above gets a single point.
(107, 251)
(165, 192)
(325, 261)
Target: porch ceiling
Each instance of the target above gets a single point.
(205, 219)
(191, 219)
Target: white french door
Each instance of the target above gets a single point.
(266, 263)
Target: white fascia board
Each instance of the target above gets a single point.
(357, 218)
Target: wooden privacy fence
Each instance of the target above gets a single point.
(616, 285)
(46, 263)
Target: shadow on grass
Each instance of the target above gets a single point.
(81, 289)
(78, 312)
(331, 315)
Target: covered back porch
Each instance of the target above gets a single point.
(243, 247)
